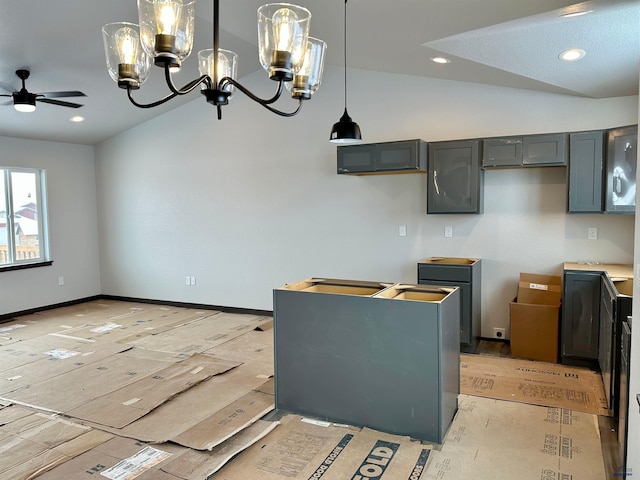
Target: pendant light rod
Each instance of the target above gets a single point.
(345, 130)
(345, 55)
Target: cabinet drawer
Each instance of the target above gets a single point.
(447, 273)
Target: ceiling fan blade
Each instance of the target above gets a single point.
(74, 93)
(7, 88)
(58, 102)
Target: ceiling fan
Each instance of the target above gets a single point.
(25, 101)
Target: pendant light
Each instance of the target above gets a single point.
(345, 130)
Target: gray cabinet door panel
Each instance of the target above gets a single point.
(454, 182)
(586, 171)
(544, 149)
(397, 156)
(356, 158)
(621, 170)
(502, 152)
(581, 315)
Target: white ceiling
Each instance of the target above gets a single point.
(512, 43)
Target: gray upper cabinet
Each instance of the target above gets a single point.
(526, 151)
(586, 172)
(549, 150)
(502, 152)
(454, 180)
(621, 170)
(408, 156)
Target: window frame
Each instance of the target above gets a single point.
(42, 219)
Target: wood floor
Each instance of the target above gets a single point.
(608, 427)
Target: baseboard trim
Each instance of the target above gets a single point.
(10, 316)
(203, 306)
(500, 340)
(246, 311)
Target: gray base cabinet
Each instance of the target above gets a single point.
(407, 156)
(581, 318)
(385, 359)
(466, 274)
(586, 172)
(454, 180)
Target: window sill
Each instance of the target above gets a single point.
(26, 265)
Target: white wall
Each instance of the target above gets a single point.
(633, 447)
(73, 232)
(253, 201)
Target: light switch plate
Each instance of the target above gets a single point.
(448, 231)
(592, 233)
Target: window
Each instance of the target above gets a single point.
(23, 228)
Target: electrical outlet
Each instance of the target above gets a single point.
(448, 231)
(499, 333)
(592, 233)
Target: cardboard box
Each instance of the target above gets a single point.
(535, 318)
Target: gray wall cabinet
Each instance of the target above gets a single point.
(407, 156)
(581, 318)
(525, 151)
(466, 274)
(454, 180)
(586, 172)
(387, 360)
(621, 170)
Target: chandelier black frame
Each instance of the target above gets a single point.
(165, 34)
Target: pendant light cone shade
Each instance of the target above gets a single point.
(345, 130)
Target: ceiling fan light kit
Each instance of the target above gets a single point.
(165, 35)
(25, 101)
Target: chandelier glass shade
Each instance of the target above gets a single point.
(165, 34)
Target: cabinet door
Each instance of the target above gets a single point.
(502, 152)
(454, 183)
(544, 150)
(356, 158)
(621, 170)
(586, 171)
(396, 156)
(581, 316)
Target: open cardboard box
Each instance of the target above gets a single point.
(535, 316)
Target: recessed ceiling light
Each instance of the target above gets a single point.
(440, 60)
(76, 118)
(576, 13)
(572, 55)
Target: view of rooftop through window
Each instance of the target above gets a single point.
(21, 219)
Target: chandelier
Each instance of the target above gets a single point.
(165, 36)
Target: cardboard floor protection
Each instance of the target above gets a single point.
(537, 383)
(499, 440)
(35, 442)
(304, 449)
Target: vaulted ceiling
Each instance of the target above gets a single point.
(512, 43)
